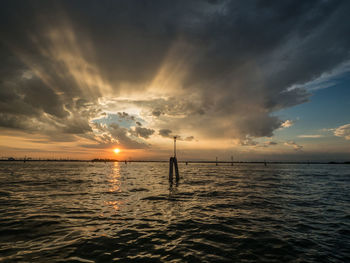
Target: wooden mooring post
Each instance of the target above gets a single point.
(176, 170)
(173, 164)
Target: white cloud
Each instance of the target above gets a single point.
(293, 144)
(287, 124)
(343, 131)
(327, 130)
(325, 80)
(310, 136)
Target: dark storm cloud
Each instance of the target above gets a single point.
(142, 132)
(125, 116)
(165, 133)
(242, 60)
(156, 113)
(29, 97)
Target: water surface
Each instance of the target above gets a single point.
(97, 212)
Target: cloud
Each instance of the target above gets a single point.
(343, 131)
(310, 136)
(287, 124)
(214, 69)
(124, 115)
(189, 138)
(156, 113)
(271, 143)
(165, 133)
(248, 142)
(115, 135)
(293, 144)
(327, 79)
(327, 130)
(142, 132)
(122, 118)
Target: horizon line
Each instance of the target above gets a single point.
(165, 161)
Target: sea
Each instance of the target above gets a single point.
(117, 212)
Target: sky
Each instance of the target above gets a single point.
(255, 80)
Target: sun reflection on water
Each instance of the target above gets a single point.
(115, 204)
(114, 178)
(111, 205)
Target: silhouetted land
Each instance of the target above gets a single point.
(166, 161)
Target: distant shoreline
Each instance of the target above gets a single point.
(166, 161)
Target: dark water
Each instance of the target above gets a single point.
(96, 212)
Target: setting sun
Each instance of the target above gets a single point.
(116, 150)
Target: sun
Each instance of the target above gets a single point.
(116, 150)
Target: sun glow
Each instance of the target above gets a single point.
(116, 150)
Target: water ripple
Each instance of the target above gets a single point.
(96, 212)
